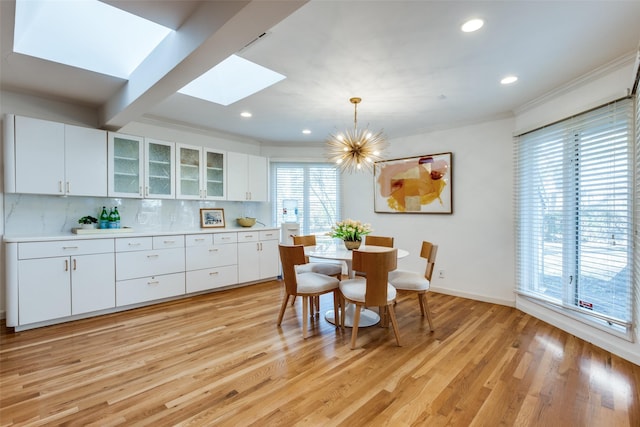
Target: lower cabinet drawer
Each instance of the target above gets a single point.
(149, 288)
(211, 278)
(130, 265)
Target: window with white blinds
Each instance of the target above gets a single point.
(574, 211)
(316, 189)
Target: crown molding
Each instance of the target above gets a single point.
(593, 75)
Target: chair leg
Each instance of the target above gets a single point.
(343, 310)
(421, 301)
(316, 299)
(423, 298)
(311, 305)
(294, 301)
(336, 307)
(283, 308)
(356, 322)
(306, 302)
(394, 323)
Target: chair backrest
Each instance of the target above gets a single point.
(309, 240)
(290, 256)
(377, 266)
(387, 242)
(428, 252)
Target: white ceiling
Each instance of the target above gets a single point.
(408, 60)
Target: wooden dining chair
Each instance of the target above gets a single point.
(385, 241)
(412, 281)
(373, 290)
(329, 268)
(307, 285)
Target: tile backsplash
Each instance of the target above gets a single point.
(33, 215)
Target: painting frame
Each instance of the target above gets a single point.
(212, 218)
(414, 185)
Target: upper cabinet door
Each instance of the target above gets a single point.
(215, 174)
(39, 156)
(246, 177)
(126, 165)
(160, 179)
(85, 161)
(59, 159)
(200, 173)
(189, 172)
(258, 179)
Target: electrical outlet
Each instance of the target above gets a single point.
(441, 274)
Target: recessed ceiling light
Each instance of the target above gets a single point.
(472, 25)
(306, 131)
(508, 80)
(246, 114)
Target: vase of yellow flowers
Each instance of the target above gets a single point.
(350, 232)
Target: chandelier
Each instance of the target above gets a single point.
(353, 150)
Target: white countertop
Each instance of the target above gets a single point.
(9, 238)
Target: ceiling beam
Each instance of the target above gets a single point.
(214, 31)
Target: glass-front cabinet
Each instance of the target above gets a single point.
(214, 174)
(141, 167)
(200, 173)
(126, 165)
(159, 172)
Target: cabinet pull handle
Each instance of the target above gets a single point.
(68, 187)
(60, 187)
(213, 250)
(134, 244)
(260, 245)
(147, 191)
(153, 282)
(153, 256)
(66, 265)
(64, 248)
(199, 240)
(205, 193)
(140, 190)
(74, 265)
(213, 273)
(169, 241)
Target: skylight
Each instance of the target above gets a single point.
(86, 34)
(231, 80)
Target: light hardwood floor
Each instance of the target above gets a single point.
(220, 360)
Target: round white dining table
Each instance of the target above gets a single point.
(337, 251)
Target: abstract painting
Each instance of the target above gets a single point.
(414, 185)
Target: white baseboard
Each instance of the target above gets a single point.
(476, 297)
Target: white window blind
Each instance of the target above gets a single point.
(574, 211)
(315, 187)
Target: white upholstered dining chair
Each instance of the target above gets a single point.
(306, 285)
(411, 281)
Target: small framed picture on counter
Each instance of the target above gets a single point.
(212, 217)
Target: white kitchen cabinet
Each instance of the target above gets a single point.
(211, 261)
(257, 255)
(149, 268)
(141, 167)
(201, 173)
(247, 177)
(54, 158)
(63, 278)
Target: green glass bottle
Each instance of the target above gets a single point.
(104, 218)
(112, 219)
(116, 214)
